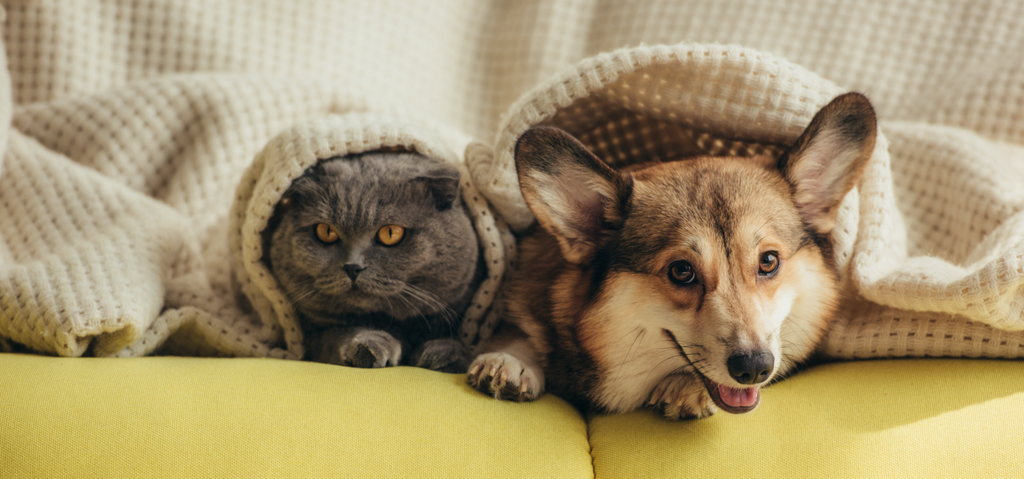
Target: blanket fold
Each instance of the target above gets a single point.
(898, 242)
(144, 144)
(294, 151)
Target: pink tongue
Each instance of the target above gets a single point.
(738, 397)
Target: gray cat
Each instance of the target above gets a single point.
(378, 255)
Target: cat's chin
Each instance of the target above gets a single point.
(359, 303)
(394, 308)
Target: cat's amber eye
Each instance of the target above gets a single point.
(326, 233)
(390, 235)
(769, 263)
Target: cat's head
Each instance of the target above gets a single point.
(379, 233)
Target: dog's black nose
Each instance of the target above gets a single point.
(751, 368)
(353, 270)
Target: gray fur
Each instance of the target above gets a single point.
(411, 296)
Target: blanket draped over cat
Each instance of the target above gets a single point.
(133, 188)
(293, 152)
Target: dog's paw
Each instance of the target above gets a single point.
(445, 355)
(503, 376)
(681, 396)
(371, 349)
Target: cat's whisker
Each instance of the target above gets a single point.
(431, 301)
(410, 307)
(418, 304)
(425, 301)
(417, 312)
(301, 290)
(391, 307)
(444, 309)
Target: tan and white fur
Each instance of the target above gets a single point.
(682, 286)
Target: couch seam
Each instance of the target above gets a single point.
(593, 468)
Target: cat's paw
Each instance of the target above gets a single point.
(445, 355)
(503, 376)
(371, 349)
(681, 396)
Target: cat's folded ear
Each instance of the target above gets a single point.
(574, 195)
(442, 183)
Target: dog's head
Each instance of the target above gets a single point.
(723, 260)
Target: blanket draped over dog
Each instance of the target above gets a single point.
(145, 144)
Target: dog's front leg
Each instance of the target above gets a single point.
(510, 369)
(681, 396)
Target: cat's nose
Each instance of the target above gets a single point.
(353, 270)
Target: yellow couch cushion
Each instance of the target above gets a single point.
(905, 418)
(185, 417)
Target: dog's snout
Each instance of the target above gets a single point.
(751, 368)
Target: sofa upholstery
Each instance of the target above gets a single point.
(189, 417)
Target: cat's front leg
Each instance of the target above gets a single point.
(357, 347)
(370, 348)
(445, 355)
(681, 396)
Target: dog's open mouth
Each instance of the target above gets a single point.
(732, 400)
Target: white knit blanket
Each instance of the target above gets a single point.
(126, 128)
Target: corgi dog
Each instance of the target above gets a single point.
(680, 286)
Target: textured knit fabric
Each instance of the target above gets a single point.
(127, 126)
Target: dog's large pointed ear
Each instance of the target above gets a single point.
(574, 195)
(827, 160)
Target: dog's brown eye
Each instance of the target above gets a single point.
(326, 233)
(769, 263)
(390, 235)
(681, 273)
